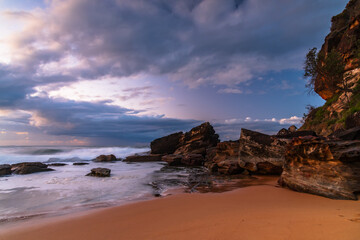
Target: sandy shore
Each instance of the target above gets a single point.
(256, 212)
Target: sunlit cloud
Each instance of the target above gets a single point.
(21, 133)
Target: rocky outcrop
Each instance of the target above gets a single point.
(261, 153)
(144, 158)
(350, 134)
(99, 172)
(353, 120)
(224, 158)
(197, 140)
(105, 158)
(80, 163)
(184, 160)
(177, 149)
(328, 168)
(5, 169)
(343, 38)
(29, 167)
(57, 164)
(167, 144)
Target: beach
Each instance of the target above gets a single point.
(255, 212)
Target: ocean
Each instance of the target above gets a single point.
(67, 189)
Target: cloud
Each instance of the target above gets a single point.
(21, 133)
(292, 120)
(197, 42)
(230, 90)
(16, 15)
(96, 123)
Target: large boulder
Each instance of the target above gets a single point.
(224, 158)
(260, 153)
(197, 140)
(167, 144)
(99, 172)
(5, 169)
(29, 167)
(144, 158)
(105, 158)
(329, 168)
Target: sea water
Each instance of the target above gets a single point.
(67, 189)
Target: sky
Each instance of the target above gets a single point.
(124, 72)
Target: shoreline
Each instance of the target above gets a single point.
(254, 212)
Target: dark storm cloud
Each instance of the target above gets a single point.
(97, 121)
(198, 42)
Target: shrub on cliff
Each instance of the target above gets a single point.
(330, 67)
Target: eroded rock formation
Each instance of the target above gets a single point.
(261, 153)
(167, 144)
(224, 158)
(328, 168)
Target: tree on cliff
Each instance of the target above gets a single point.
(330, 67)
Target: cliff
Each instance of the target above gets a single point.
(341, 110)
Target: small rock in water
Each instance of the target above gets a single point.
(57, 164)
(5, 169)
(99, 172)
(29, 167)
(105, 158)
(80, 163)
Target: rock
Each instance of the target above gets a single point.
(329, 168)
(292, 128)
(257, 151)
(291, 135)
(184, 160)
(80, 163)
(29, 167)
(167, 144)
(283, 132)
(105, 158)
(224, 158)
(197, 140)
(99, 172)
(268, 168)
(193, 160)
(350, 134)
(144, 158)
(353, 120)
(173, 159)
(57, 164)
(5, 169)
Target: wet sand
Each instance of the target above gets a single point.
(255, 212)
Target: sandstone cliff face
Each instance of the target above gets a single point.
(326, 168)
(344, 38)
